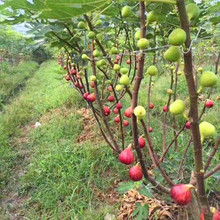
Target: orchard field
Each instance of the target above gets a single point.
(109, 109)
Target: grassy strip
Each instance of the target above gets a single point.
(12, 79)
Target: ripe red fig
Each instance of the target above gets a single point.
(126, 156)
(67, 78)
(141, 142)
(78, 76)
(106, 110)
(92, 84)
(116, 62)
(73, 72)
(80, 86)
(135, 173)
(151, 105)
(110, 88)
(125, 123)
(209, 104)
(118, 57)
(128, 112)
(116, 111)
(181, 193)
(216, 214)
(119, 105)
(150, 129)
(76, 84)
(188, 125)
(91, 97)
(111, 98)
(85, 95)
(202, 216)
(128, 62)
(117, 119)
(64, 67)
(165, 108)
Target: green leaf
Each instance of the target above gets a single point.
(141, 213)
(125, 187)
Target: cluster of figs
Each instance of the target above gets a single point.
(180, 193)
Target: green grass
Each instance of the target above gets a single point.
(12, 79)
(61, 177)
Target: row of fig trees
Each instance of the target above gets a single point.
(108, 49)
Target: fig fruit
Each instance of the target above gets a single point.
(81, 25)
(152, 16)
(192, 11)
(143, 43)
(177, 37)
(91, 35)
(126, 12)
(152, 70)
(173, 54)
(126, 156)
(135, 173)
(140, 112)
(177, 107)
(208, 79)
(206, 130)
(124, 80)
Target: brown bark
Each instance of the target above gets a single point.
(188, 69)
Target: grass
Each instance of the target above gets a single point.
(60, 176)
(13, 78)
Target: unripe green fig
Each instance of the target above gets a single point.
(93, 78)
(206, 130)
(208, 79)
(173, 54)
(96, 53)
(172, 67)
(152, 17)
(152, 70)
(177, 37)
(200, 69)
(177, 107)
(143, 43)
(137, 35)
(81, 25)
(124, 80)
(119, 88)
(113, 50)
(108, 81)
(91, 35)
(124, 71)
(85, 57)
(100, 37)
(98, 23)
(140, 112)
(126, 12)
(169, 91)
(116, 67)
(192, 11)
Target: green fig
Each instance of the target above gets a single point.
(97, 53)
(108, 81)
(140, 112)
(206, 130)
(93, 78)
(152, 17)
(124, 71)
(116, 67)
(81, 25)
(208, 79)
(85, 57)
(124, 80)
(91, 35)
(177, 37)
(100, 37)
(152, 70)
(192, 11)
(126, 12)
(143, 43)
(113, 50)
(119, 88)
(177, 107)
(173, 54)
(98, 23)
(137, 35)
